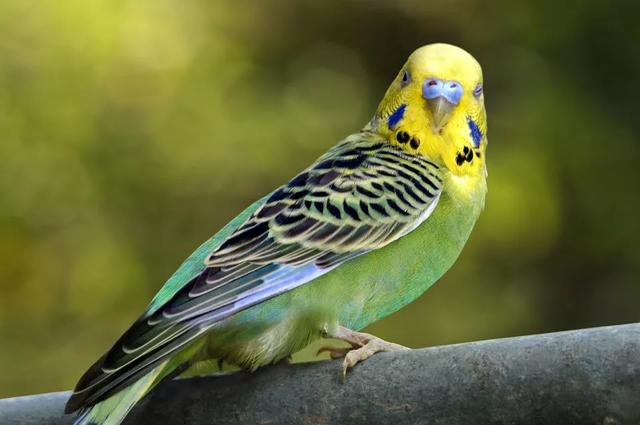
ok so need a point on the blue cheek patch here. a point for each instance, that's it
(397, 115)
(476, 134)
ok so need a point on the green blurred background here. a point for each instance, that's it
(130, 131)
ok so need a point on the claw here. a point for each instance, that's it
(363, 346)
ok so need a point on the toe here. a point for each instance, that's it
(334, 353)
(353, 357)
(350, 360)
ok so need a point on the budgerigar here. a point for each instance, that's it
(360, 233)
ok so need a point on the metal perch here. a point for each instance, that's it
(589, 376)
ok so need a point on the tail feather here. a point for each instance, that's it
(113, 410)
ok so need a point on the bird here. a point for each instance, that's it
(360, 233)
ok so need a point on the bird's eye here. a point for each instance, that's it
(477, 91)
(405, 78)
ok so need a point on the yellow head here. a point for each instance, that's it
(435, 106)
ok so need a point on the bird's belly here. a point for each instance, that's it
(270, 331)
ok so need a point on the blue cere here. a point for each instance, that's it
(451, 90)
(476, 134)
(397, 115)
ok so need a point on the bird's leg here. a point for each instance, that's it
(363, 346)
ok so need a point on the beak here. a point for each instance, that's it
(442, 97)
(440, 109)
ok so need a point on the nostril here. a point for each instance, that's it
(453, 85)
(432, 83)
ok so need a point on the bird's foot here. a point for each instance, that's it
(363, 346)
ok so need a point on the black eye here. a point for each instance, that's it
(405, 77)
(477, 91)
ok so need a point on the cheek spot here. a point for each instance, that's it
(397, 115)
(476, 134)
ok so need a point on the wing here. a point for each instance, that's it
(360, 196)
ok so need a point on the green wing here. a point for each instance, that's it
(360, 196)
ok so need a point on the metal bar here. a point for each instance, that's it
(589, 376)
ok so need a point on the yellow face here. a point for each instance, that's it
(435, 107)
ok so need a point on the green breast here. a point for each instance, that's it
(381, 282)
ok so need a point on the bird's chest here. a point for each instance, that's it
(384, 281)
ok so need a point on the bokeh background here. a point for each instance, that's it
(130, 131)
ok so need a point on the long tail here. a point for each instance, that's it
(113, 410)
